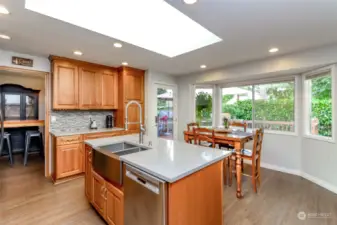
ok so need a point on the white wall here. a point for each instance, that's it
(39, 64)
(313, 159)
(152, 78)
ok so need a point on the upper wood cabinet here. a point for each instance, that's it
(131, 87)
(87, 88)
(109, 90)
(65, 85)
(81, 85)
(134, 85)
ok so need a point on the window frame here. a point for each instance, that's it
(205, 86)
(253, 83)
(306, 96)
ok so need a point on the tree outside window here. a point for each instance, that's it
(320, 104)
(203, 104)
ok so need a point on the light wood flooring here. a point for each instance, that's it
(26, 197)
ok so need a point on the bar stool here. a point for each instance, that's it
(29, 136)
(7, 137)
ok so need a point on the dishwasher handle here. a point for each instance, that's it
(143, 181)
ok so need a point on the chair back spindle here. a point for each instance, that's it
(239, 124)
(257, 145)
(190, 126)
(202, 135)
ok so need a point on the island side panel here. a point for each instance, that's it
(198, 198)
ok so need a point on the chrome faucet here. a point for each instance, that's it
(142, 128)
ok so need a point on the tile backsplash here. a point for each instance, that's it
(77, 119)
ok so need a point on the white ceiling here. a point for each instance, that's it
(248, 29)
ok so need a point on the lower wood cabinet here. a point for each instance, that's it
(114, 205)
(99, 194)
(88, 172)
(68, 159)
(107, 199)
(70, 156)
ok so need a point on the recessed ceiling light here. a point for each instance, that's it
(273, 50)
(3, 36)
(125, 63)
(78, 53)
(190, 2)
(141, 29)
(118, 45)
(203, 66)
(3, 10)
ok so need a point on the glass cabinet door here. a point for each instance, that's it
(12, 106)
(31, 104)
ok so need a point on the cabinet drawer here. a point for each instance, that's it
(102, 135)
(66, 140)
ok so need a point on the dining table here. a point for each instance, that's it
(232, 137)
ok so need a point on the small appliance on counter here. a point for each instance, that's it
(109, 122)
(93, 124)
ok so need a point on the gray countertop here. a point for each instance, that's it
(168, 160)
(71, 131)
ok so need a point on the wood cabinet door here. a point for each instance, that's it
(109, 90)
(114, 205)
(134, 87)
(65, 86)
(88, 173)
(98, 194)
(68, 159)
(87, 88)
(82, 158)
(133, 116)
(99, 90)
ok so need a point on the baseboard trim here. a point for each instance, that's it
(320, 182)
(281, 169)
(306, 176)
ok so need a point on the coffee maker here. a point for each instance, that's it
(109, 121)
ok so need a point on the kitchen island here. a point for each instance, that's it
(165, 182)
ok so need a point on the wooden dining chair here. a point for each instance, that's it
(201, 137)
(190, 127)
(252, 155)
(243, 125)
(235, 124)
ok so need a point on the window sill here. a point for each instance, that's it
(281, 133)
(319, 138)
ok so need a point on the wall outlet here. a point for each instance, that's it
(53, 119)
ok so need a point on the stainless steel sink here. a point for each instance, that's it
(117, 147)
(107, 163)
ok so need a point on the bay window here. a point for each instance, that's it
(274, 106)
(269, 105)
(318, 104)
(237, 103)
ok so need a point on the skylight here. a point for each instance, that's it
(151, 24)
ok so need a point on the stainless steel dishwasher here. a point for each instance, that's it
(144, 198)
